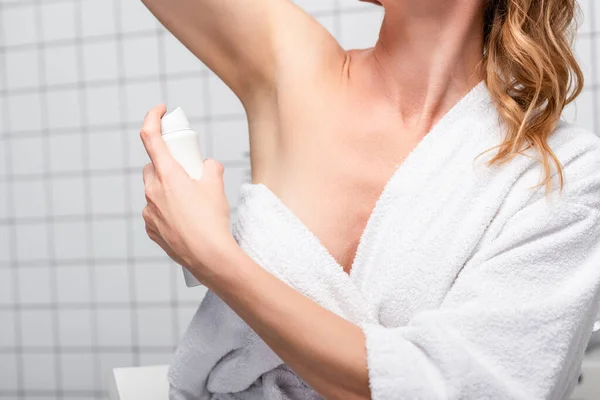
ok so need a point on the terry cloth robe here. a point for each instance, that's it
(467, 283)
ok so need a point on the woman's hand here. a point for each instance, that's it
(188, 219)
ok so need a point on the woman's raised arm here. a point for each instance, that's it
(247, 43)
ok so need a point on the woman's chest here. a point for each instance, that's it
(330, 170)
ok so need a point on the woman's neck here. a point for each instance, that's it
(424, 60)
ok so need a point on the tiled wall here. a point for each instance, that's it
(82, 289)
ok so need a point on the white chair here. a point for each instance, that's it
(139, 383)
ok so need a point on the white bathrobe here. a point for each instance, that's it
(467, 283)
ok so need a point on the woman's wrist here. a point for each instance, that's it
(218, 263)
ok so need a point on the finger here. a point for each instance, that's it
(147, 214)
(148, 174)
(212, 169)
(152, 138)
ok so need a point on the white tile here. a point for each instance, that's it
(230, 140)
(22, 68)
(75, 328)
(3, 116)
(185, 315)
(360, 30)
(316, 5)
(136, 17)
(108, 194)
(39, 371)
(9, 372)
(140, 98)
(114, 328)
(32, 242)
(109, 361)
(188, 94)
(6, 278)
(140, 56)
(137, 153)
(329, 23)
(155, 326)
(4, 201)
(585, 17)
(596, 17)
(73, 284)
(70, 241)
(142, 245)
(583, 53)
(27, 155)
(356, 5)
(37, 328)
(25, 112)
(66, 152)
(103, 105)
(112, 283)
(234, 177)
(64, 109)
(222, 100)
(179, 59)
(7, 333)
(68, 196)
(153, 282)
(3, 155)
(77, 372)
(29, 198)
(581, 112)
(163, 358)
(34, 285)
(19, 24)
(61, 64)
(185, 294)
(98, 17)
(58, 20)
(109, 239)
(5, 247)
(138, 196)
(105, 149)
(100, 61)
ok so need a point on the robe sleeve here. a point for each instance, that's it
(516, 321)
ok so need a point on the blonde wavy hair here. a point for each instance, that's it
(531, 73)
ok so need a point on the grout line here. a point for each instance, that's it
(92, 306)
(125, 124)
(135, 351)
(86, 350)
(75, 218)
(335, 11)
(79, 261)
(49, 223)
(594, 65)
(48, 394)
(101, 172)
(103, 83)
(88, 196)
(13, 238)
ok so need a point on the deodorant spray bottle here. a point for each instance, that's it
(184, 145)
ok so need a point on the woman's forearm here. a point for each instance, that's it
(324, 349)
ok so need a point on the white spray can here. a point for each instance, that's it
(184, 145)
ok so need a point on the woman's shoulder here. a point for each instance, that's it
(578, 150)
(571, 138)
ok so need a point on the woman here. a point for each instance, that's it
(393, 243)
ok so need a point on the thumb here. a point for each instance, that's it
(212, 169)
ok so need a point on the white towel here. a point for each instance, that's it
(467, 283)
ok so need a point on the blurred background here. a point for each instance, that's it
(82, 289)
